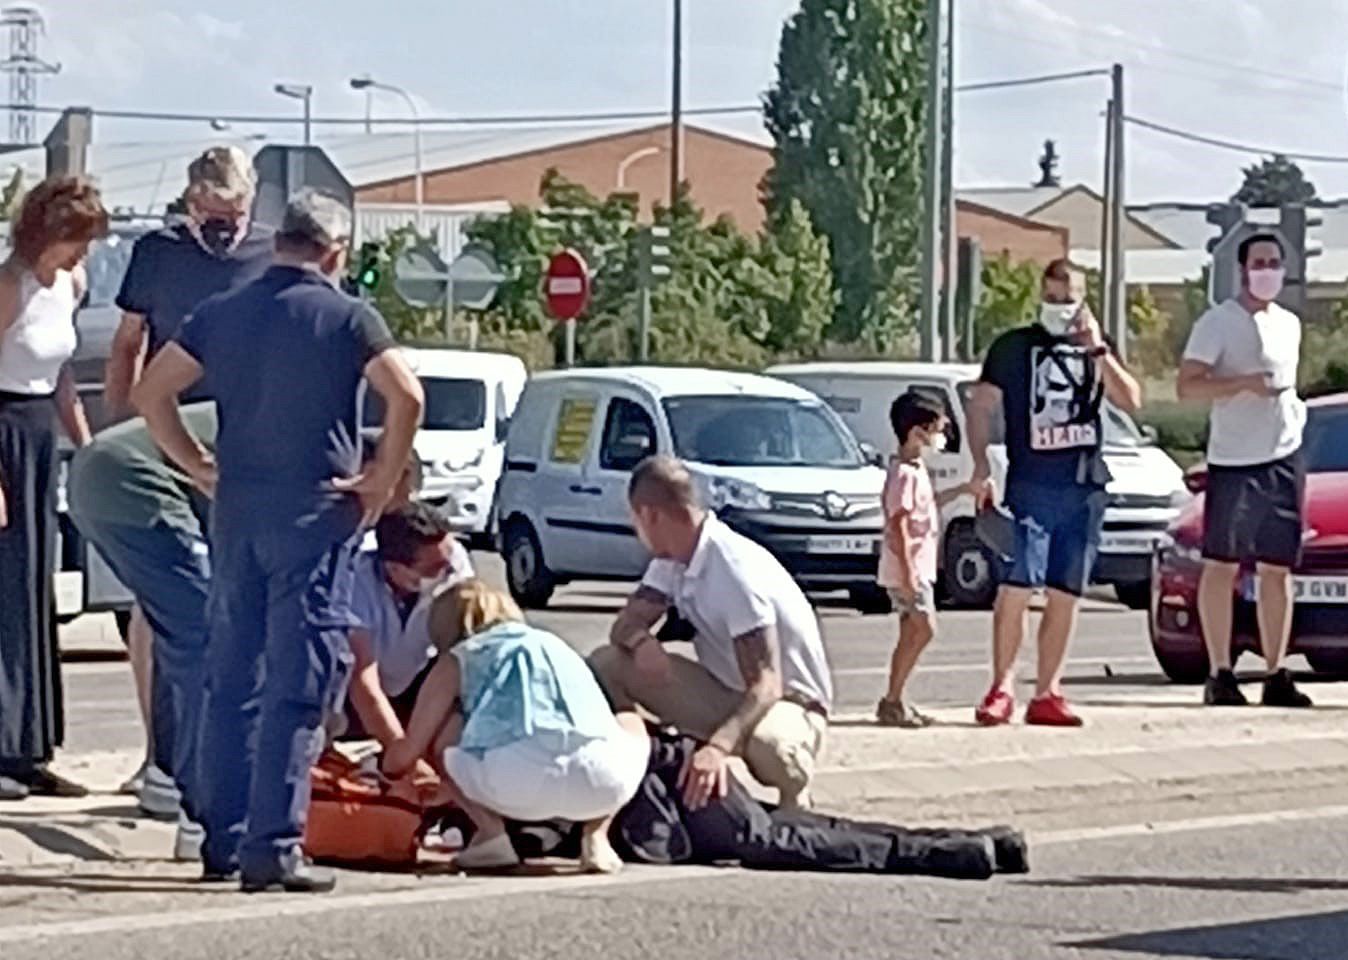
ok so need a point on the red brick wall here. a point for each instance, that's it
(724, 173)
(1019, 239)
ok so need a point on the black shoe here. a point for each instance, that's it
(1013, 853)
(43, 783)
(1280, 691)
(1223, 690)
(971, 857)
(219, 874)
(298, 876)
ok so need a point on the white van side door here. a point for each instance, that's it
(629, 433)
(566, 502)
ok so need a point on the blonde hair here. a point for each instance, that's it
(466, 609)
(224, 173)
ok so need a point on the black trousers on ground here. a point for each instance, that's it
(31, 712)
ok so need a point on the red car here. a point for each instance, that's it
(1320, 622)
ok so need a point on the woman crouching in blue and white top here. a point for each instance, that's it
(518, 725)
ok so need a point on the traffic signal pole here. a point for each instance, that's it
(1118, 301)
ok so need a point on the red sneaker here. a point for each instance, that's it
(1051, 711)
(996, 708)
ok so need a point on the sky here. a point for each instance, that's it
(1269, 73)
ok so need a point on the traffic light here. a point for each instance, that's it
(655, 254)
(1224, 277)
(367, 267)
(1295, 223)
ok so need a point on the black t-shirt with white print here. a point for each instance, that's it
(1051, 396)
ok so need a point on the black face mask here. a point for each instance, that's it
(218, 235)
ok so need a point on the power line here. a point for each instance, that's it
(1032, 81)
(1231, 144)
(508, 120)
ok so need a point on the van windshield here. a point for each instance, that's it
(451, 404)
(740, 431)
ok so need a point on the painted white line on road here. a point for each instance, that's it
(983, 667)
(273, 906)
(1195, 824)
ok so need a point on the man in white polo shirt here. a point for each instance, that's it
(1242, 358)
(760, 686)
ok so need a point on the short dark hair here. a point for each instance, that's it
(913, 409)
(662, 481)
(404, 531)
(1062, 270)
(1243, 251)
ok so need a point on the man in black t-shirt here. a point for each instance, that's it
(1049, 379)
(172, 270)
(283, 357)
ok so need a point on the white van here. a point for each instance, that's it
(774, 461)
(1145, 495)
(470, 398)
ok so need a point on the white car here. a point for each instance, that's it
(774, 461)
(1145, 496)
(470, 398)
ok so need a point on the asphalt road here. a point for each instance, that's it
(1271, 893)
(102, 713)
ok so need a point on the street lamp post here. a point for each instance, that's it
(304, 92)
(368, 83)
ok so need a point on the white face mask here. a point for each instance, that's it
(1266, 284)
(1057, 318)
(938, 442)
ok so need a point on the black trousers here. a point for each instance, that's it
(31, 720)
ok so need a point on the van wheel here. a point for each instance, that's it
(871, 600)
(1189, 668)
(1135, 595)
(530, 581)
(972, 571)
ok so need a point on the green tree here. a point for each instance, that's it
(1274, 181)
(847, 116)
(731, 299)
(1150, 347)
(1010, 299)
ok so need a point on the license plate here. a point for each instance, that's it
(840, 544)
(1128, 543)
(69, 593)
(1325, 590)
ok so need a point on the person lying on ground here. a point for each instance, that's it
(531, 737)
(417, 555)
(657, 826)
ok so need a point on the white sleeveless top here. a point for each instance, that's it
(41, 338)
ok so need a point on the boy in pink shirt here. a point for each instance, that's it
(912, 537)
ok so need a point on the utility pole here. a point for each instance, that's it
(948, 226)
(676, 109)
(1107, 220)
(1118, 303)
(931, 225)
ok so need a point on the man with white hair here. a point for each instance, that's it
(213, 249)
(282, 356)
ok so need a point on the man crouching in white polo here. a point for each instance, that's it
(760, 686)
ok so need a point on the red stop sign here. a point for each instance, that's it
(566, 288)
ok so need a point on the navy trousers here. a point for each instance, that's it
(279, 614)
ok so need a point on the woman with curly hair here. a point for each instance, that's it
(41, 285)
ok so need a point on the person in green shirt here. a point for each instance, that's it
(149, 522)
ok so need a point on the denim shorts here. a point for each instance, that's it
(1057, 535)
(924, 602)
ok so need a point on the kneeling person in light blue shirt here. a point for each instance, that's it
(532, 738)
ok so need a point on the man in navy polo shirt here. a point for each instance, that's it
(216, 248)
(283, 357)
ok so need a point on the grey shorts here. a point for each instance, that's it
(924, 602)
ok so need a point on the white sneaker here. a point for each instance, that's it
(158, 795)
(187, 845)
(12, 789)
(136, 782)
(497, 853)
